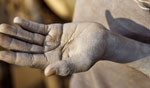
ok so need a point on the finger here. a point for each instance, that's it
(14, 44)
(53, 39)
(67, 67)
(24, 59)
(21, 34)
(31, 26)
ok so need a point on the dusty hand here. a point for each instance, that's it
(60, 49)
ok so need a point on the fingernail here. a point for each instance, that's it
(17, 20)
(50, 72)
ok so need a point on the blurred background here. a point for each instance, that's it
(42, 11)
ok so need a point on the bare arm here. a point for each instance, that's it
(64, 49)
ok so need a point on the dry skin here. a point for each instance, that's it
(64, 49)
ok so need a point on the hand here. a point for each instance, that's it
(60, 49)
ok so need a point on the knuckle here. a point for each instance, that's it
(38, 38)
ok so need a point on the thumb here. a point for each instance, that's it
(62, 68)
(68, 67)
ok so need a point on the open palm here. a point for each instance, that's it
(60, 49)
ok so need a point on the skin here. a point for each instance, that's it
(128, 20)
(143, 4)
(64, 49)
